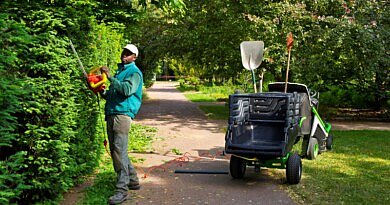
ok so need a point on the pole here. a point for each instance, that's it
(288, 67)
(254, 81)
(253, 74)
(290, 41)
(261, 81)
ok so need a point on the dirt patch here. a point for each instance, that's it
(76, 194)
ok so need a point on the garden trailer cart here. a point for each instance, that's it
(263, 127)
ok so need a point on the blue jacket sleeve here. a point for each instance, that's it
(128, 86)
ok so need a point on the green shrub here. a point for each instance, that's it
(347, 98)
(50, 132)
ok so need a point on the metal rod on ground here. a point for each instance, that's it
(199, 172)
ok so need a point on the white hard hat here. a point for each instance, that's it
(132, 48)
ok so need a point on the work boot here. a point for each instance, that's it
(117, 198)
(134, 186)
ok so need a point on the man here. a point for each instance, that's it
(123, 100)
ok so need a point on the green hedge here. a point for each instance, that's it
(49, 126)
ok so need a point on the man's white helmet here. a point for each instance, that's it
(132, 48)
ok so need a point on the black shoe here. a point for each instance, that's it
(117, 198)
(134, 186)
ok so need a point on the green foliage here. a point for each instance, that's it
(50, 130)
(346, 98)
(336, 43)
(210, 93)
(50, 133)
(141, 138)
(190, 83)
(176, 151)
(15, 40)
(12, 180)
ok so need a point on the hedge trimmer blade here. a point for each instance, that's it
(80, 63)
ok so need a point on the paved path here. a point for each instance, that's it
(360, 125)
(182, 126)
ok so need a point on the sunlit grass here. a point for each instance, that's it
(215, 112)
(357, 171)
(210, 94)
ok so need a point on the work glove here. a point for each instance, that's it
(106, 70)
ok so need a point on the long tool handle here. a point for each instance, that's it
(290, 41)
(288, 67)
(254, 80)
(81, 64)
(253, 74)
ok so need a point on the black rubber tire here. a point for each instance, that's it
(237, 167)
(313, 149)
(294, 169)
(329, 142)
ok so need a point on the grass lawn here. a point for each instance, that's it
(205, 97)
(215, 112)
(104, 181)
(357, 171)
(209, 94)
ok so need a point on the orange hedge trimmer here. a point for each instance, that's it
(96, 82)
(95, 78)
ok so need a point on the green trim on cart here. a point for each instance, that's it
(326, 126)
(301, 121)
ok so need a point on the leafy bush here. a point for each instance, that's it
(190, 83)
(12, 89)
(346, 98)
(50, 133)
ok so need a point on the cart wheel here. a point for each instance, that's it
(313, 149)
(237, 167)
(294, 169)
(329, 142)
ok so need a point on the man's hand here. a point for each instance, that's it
(105, 70)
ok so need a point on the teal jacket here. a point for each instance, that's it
(124, 96)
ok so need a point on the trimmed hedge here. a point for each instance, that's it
(50, 128)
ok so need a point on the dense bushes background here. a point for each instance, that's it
(50, 133)
(339, 46)
(49, 121)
